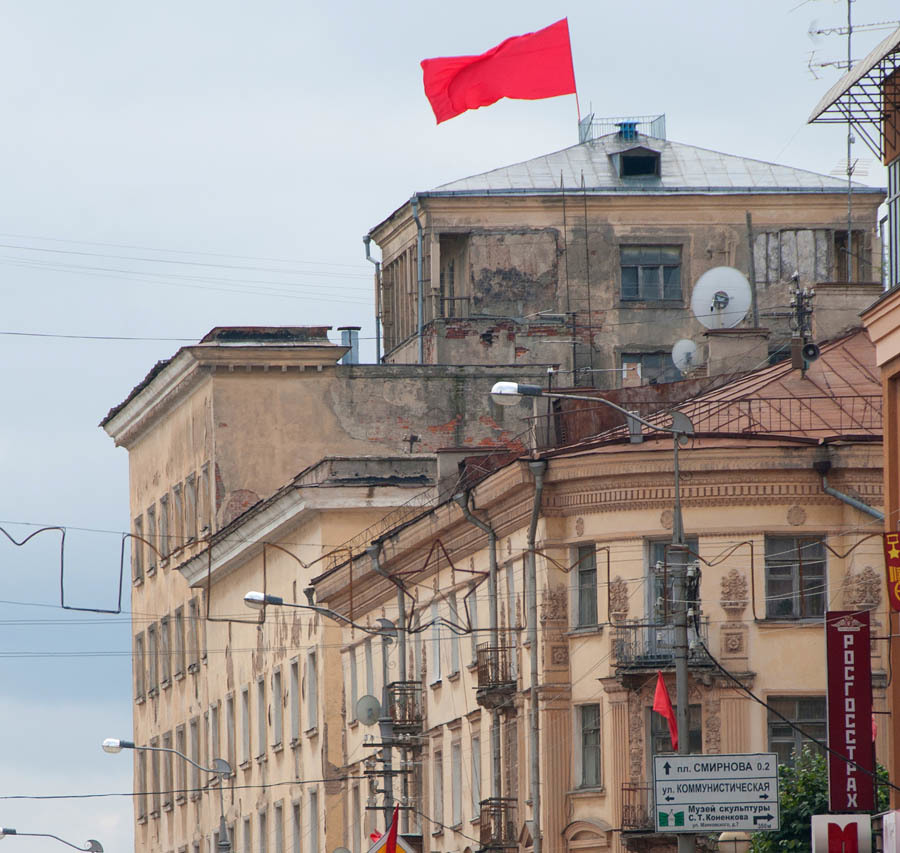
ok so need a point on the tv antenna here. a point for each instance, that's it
(721, 298)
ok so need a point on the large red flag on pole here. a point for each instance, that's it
(529, 67)
(662, 704)
(391, 846)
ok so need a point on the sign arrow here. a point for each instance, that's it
(764, 796)
(765, 817)
(669, 798)
(667, 767)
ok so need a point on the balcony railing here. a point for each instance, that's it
(495, 677)
(405, 705)
(637, 808)
(497, 827)
(643, 645)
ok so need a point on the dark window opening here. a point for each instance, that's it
(640, 165)
(651, 273)
(648, 368)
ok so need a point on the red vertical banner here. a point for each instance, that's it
(892, 567)
(851, 780)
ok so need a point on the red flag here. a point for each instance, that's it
(529, 67)
(391, 846)
(662, 704)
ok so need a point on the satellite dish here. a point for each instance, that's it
(721, 298)
(814, 32)
(368, 710)
(684, 354)
(341, 850)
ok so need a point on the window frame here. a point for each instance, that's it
(796, 739)
(640, 265)
(277, 709)
(312, 691)
(595, 778)
(802, 587)
(585, 551)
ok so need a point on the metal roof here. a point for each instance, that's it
(859, 94)
(683, 169)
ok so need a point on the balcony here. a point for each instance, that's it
(497, 829)
(637, 808)
(641, 646)
(495, 679)
(405, 706)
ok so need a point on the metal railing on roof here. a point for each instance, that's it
(593, 127)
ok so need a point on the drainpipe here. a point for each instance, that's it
(420, 284)
(537, 471)
(823, 466)
(496, 766)
(374, 552)
(366, 240)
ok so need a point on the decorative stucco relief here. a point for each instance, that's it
(618, 599)
(862, 588)
(554, 604)
(734, 593)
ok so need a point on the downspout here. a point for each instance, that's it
(537, 471)
(374, 552)
(366, 240)
(823, 466)
(420, 284)
(496, 767)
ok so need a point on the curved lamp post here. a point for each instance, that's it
(220, 768)
(91, 845)
(258, 600)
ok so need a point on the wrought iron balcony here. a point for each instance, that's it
(637, 808)
(495, 678)
(497, 827)
(648, 645)
(405, 705)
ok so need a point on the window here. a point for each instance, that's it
(312, 691)
(473, 622)
(476, 775)
(181, 766)
(370, 668)
(456, 783)
(195, 757)
(648, 368)
(857, 256)
(194, 635)
(313, 822)
(203, 502)
(808, 712)
(179, 641)
(277, 707)
(165, 658)
(154, 778)
(248, 846)
(437, 764)
(435, 657)
(659, 732)
(168, 782)
(261, 716)
(190, 508)
(214, 744)
(295, 700)
(151, 539)
(139, 666)
(795, 578)
(263, 840)
(589, 725)
(141, 769)
(651, 272)
(165, 544)
(586, 589)
(454, 302)
(152, 680)
(229, 729)
(137, 550)
(298, 829)
(354, 684)
(893, 237)
(639, 163)
(454, 637)
(278, 829)
(245, 725)
(178, 498)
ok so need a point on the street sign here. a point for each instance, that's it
(716, 793)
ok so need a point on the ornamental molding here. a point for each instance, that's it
(862, 589)
(735, 593)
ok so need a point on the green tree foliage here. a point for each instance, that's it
(803, 792)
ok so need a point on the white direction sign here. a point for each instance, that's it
(716, 793)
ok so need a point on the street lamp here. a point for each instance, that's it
(91, 845)
(508, 394)
(220, 768)
(257, 600)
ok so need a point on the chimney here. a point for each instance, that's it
(736, 350)
(350, 338)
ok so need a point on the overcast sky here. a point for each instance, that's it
(169, 167)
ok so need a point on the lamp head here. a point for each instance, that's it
(113, 745)
(94, 846)
(257, 600)
(4, 831)
(509, 393)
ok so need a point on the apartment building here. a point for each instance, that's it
(587, 257)
(780, 487)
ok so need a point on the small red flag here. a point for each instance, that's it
(662, 704)
(391, 846)
(892, 565)
(528, 67)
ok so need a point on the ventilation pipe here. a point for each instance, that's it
(350, 338)
(463, 500)
(823, 466)
(537, 471)
(366, 240)
(420, 284)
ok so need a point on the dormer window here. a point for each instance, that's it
(638, 162)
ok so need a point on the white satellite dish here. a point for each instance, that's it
(684, 354)
(368, 710)
(721, 298)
